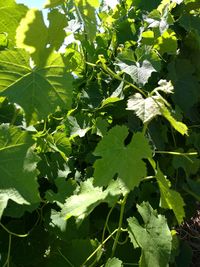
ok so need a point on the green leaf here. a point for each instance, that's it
(18, 168)
(86, 11)
(39, 91)
(32, 35)
(124, 161)
(62, 144)
(154, 237)
(3, 40)
(80, 205)
(64, 190)
(57, 24)
(177, 125)
(53, 3)
(11, 14)
(114, 262)
(140, 72)
(167, 43)
(170, 199)
(146, 109)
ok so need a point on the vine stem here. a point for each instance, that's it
(12, 233)
(177, 153)
(123, 203)
(7, 262)
(106, 224)
(99, 247)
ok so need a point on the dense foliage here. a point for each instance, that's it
(99, 132)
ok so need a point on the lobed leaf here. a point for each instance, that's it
(124, 161)
(39, 91)
(154, 237)
(18, 168)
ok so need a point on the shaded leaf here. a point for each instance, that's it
(53, 3)
(114, 262)
(17, 167)
(32, 35)
(124, 161)
(88, 197)
(170, 199)
(140, 72)
(154, 237)
(38, 91)
(56, 29)
(11, 14)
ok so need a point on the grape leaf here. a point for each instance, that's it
(53, 3)
(88, 17)
(64, 188)
(11, 14)
(114, 262)
(154, 237)
(170, 199)
(57, 24)
(146, 109)
(88, 197)
(17, 167)
(126, 162)
(167, 43)
(140, 72)
(39, 91)
(32, 35)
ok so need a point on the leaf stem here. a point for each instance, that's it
(177, 153)
(12, 233)
(7, 262)
(99, 247)
(106, 224)
(63, 256)
(123, 203)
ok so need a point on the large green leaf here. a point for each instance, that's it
(53, 3)
(121, 160)
(39, 91)
(154, 237)
(57, 24)
(80, 205)
(17, 167)
(11, 14)
(170, 199)
(32, 35)
(87, 16)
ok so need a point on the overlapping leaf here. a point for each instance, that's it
(148, 108)
(11, 14)
(170, 199)
(80, 205)
(39, 40)
(17, 167)
(154, 237)
(117, 159)
(39, 91)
